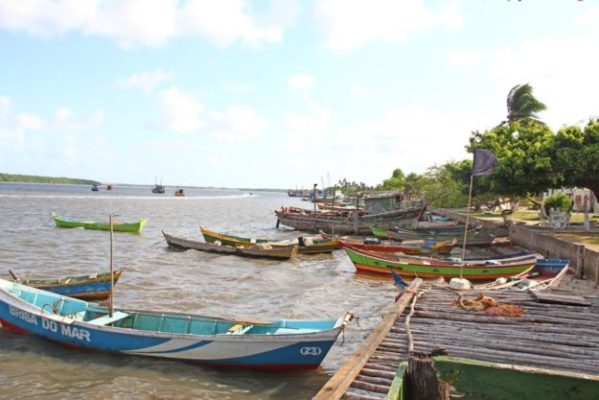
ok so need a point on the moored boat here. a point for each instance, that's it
(473, 238)
(65, 222)
(264, 344)
(476, 379)
(386, 210)
(387, 246)
(92, 286)
(431, 268)
(261, 250)
(306, 245)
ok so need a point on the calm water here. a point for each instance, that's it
(156, 278)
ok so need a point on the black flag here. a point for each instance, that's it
(484, 162)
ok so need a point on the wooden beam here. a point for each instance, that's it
(336, 387)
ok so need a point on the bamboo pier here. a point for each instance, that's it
(557, 331)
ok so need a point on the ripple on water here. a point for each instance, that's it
(157, 278)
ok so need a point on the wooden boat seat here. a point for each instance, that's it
(239, 329)
(107, 319)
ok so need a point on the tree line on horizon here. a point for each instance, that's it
(44, 179)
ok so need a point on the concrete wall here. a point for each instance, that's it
(583, 261)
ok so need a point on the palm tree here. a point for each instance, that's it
(521, 104)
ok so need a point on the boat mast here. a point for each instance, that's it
(110, 301)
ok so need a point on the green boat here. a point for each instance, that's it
(472, 379)
(307, 245)
(64, 222)
(411, 267)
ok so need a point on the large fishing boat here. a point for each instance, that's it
(385, 210)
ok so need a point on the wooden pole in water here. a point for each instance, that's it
(466, 227)
(110, 301)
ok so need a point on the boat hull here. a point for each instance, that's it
(264, 351)
(89, 287)
(244, 250)
(410, 268)
(305, 245)
(134, 227)
(347, 223)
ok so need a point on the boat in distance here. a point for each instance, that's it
(262, 344)
(66, 222)
(244, 250)
(90, 287)
(306, 245)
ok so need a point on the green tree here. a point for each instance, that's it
(524, 151)
(576, 156)
(396, 182)
(521, 104)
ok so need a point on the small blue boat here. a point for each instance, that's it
(272, 345)
(550, 266)
(90, 287)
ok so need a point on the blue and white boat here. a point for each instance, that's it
(273, 345)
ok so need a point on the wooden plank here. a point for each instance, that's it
(544, 297)
(336, 387)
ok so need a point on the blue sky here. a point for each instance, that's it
(277, 94)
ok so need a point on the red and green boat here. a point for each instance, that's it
(430, 268)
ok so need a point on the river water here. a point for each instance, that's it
(157, 278)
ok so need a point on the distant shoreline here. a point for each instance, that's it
(14, 178)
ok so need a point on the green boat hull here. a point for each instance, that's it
(413, 268)
(134, 227)
(483, 380)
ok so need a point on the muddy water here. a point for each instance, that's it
(157, 278)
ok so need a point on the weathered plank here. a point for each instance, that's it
(341, 381)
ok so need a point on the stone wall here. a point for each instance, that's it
(583, 261)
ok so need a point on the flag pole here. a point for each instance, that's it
(110, 303)
(466, 227)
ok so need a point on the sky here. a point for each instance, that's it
(278, 93)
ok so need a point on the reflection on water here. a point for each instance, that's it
(157, 278)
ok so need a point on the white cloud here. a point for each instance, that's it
(349, 24)
(147, 81)
(29, 121)
(558, 71)
(181, 110)
(236, 125)
(307, 130)
(361, 92)
(301, 83)
(139, 22)
(226, 22)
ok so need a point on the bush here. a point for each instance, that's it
(559, 201)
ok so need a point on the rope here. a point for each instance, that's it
(408, 319)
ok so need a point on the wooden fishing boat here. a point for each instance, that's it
(260, 250)
(347, 221)
(306, 245)
(269, 344)
(64, 222)
(387, 246)
(547, 273)
(179, 193)
(475, 238)
(431, 268)
(94, 286)
(474, 379)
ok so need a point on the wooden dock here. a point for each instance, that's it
(557, 331)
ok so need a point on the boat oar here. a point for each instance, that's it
(14, 275)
